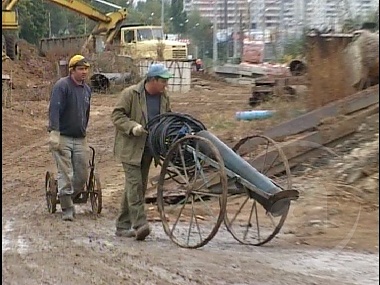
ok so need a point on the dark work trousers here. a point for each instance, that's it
(133, 204)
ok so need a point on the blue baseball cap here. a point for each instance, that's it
(159, 70)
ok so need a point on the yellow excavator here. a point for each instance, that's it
(135, 41)
(9, 29)
(107, 24)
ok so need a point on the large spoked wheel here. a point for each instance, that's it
(192, 192)
(51, 191)
(246, 219)
(95, 192)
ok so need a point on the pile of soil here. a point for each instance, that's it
(30, 70)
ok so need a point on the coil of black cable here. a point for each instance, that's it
(166, 129)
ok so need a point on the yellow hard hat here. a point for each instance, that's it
(78, 60)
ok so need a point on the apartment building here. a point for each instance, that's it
(281, 15)
(227, 11)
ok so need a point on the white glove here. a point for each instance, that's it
(54, 140)
(138, 130)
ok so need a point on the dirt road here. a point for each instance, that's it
(37, 248)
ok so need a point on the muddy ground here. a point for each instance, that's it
(329, 237)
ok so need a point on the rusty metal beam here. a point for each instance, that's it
(310, 120)
(302, 146)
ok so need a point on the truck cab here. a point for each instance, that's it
(149, 42)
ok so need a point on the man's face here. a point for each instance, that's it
(161, 84)
(80, 73)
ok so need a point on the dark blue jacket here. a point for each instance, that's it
(69, 108)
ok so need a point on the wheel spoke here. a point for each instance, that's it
(191, 220)
(179, 215)
(257, 222)
(183, 162)
(206, 205)
(205, 182)
(249, 224)
(267, 225)
(239, 210)
(175, 169)
(270, 166)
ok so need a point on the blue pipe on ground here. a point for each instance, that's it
(254, 115)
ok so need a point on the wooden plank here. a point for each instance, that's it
(315, 140)
(312, 119)
(262, 89)
(5, 77)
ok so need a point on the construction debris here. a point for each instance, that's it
(319, 128)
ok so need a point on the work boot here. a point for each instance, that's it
(142, 232)
(125, 233)
(68, 210)
(68, 214)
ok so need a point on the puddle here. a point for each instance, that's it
(348, 267)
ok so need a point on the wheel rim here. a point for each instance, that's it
(194, 218)
(96, 196)
(47, 192)
(247, 220)
(51, 192)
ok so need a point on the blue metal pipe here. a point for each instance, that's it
(239, 166)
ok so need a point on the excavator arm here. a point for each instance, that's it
(8, 4)
(9, 29)
(9, 16)
(106, 23)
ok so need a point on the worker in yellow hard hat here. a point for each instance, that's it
(69, 112)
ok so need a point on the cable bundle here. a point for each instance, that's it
(166, 129)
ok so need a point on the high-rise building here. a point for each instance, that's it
(290, 16)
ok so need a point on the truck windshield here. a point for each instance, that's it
(149, 34)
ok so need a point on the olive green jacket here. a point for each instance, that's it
(129, 111)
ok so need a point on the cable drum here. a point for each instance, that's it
(166, 129)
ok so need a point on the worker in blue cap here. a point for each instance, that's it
(137, 105)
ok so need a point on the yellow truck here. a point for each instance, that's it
(131, 40)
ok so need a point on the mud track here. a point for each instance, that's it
(37, 248)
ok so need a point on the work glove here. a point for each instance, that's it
(54, 140)
(138, 130)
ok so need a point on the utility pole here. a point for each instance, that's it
(249, 19)
(281, 28)
(215, 30)
(162, 14)
(226, 26)
(49, 25)
(235, 31)
(241, 35)
(304, 14)
(264, 27)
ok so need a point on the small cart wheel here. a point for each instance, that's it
(95, 192)
(51, 191)
(247, 221)
(192, 191)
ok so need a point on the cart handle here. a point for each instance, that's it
(92, 161)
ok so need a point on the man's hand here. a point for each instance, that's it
(138, 130)
(54, 140)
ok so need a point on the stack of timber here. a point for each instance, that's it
(308, 135)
